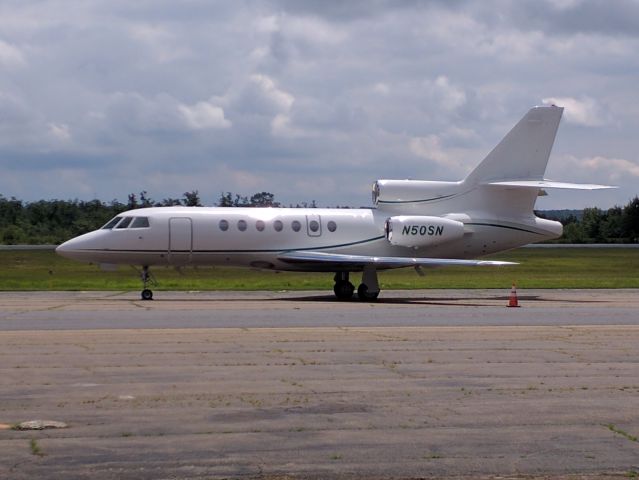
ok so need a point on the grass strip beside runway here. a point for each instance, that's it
(539, 268)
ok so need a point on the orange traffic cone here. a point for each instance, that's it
(512, 300)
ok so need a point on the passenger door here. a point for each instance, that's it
(180, 240)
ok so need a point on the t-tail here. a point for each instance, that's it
(511, 177)
(501, 190)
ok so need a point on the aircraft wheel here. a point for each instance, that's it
(344, 290)
(364, 295)
(147, 294)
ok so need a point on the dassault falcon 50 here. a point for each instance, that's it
(413, 223)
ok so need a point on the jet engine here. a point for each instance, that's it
(391, 193)
(422, 231)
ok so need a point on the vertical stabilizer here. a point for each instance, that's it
(523, 153)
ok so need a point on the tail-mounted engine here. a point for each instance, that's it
(397, 194)
(422, 231)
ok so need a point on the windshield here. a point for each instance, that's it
(140, 222)
(112, 223)
(124, 223)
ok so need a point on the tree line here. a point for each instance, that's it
(594, 225)
(54, 221)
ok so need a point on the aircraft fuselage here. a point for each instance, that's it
(255, 237)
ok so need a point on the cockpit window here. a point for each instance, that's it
(124, 223)
(140, 222)
(112, 223)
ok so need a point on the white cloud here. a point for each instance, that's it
(267, 24)
(613, 169)
(281, 99)
(11, 56)
(452, 97)
(430, 148)
(584, 112)
(60, 131)
(313, 30)
(564, 4)
(161, 42)
(204, 115)
(281, 126)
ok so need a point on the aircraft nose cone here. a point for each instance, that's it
(64, 249)
(85, 248)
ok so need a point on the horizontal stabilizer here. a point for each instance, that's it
(341, 260)
(547, 184)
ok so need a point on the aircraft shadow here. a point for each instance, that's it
(469, 301)
(446, 301)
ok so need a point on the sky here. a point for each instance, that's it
(309, 100)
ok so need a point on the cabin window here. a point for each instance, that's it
(124, 223)
(260, 225)
(278, 225)
(241, 225)
(332, 226)
(296, 226)
(313, 225)
(224, 225)
(140, 222)
(112, 223)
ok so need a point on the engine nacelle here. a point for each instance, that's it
(422, 231)
(390, 193)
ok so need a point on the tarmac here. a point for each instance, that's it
(422, 384)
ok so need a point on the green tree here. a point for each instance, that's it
(591, 221)
(263, 199)
(145, 201)
(169, 202)
(630, 221)
(612, 227)
(226, 200)
(241, 201)
(192, 199)
(573, 233)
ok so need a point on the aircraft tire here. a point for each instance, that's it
(364, 295)
(147, 294)
(344, 290)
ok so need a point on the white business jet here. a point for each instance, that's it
(413, 223)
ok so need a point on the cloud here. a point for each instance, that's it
(11, 56)
(430, 148)
(584, 112)
(204, 115)
(60, 131)
(170, 97)
(613, 169)
(280, 99)
(448, 96)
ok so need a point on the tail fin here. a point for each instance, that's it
(523, 153)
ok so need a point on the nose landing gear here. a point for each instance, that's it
(147, 277)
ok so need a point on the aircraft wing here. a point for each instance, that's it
(342, 260)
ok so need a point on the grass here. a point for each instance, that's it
(35, 448)
(618, 431)
(539, 268)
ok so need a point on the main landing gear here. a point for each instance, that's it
(147, 294)
(343, 288)
(368, 290)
